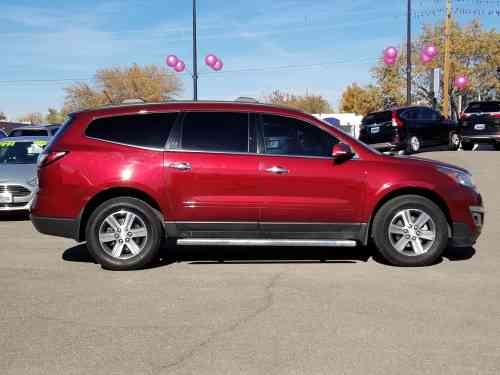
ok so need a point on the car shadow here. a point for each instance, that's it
(206, 255)
(14, 216)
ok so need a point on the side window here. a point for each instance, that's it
(148, 130)
(428, 114)
(216, 131)
(288, 136)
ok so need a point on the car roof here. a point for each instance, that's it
(190, 104)
(34, 127)
(25, 139)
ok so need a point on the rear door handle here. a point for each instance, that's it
(277, 170)
(182, 166)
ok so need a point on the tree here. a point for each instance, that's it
(150, 83)
(309, 103)
(55, 117)
(3, 117)
(32, 118)
(361, 100)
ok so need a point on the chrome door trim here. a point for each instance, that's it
(263, 242)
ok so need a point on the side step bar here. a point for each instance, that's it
(264, 242)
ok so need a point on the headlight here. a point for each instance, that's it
(33, 182)
(462, 178)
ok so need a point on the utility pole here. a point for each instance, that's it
(446, 78)
(408, 54)
(195, 56)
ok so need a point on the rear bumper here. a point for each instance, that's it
(481, 138)
(67, 228)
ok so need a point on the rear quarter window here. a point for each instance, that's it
(147, 130)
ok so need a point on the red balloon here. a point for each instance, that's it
(218, 65)
(172, 61)
(180, 66)
(210, 60)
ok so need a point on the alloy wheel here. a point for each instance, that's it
(412, 232)
(415, 144)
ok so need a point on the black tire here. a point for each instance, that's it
(411, 145)
(467, 146)
(146, 217)
(454, 141)
(390, 210)
(496, 145)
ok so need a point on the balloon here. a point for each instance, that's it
(180, 66)
(425, 58)
(430, 50)
(389, 61)
(210, 60)
(172, 61)
(218, 65)
(391, 52)
(461, 82)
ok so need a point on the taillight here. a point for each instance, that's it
(497, 115)
(46, 158)
(396, 121)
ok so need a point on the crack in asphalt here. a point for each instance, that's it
(268, 302)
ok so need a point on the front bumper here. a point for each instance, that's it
(59, 227)
(462, 235)
(21, 197)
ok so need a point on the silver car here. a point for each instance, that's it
(18, 171)
(35, 131)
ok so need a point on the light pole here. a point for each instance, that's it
(408, 54)
(195, 56)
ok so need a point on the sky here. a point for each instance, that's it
(301, 46)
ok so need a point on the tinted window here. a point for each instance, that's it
(377, 117)
(2, 134)
(287, 136)
(150, 130)
(20, 152)
(428, 114)
(29, 133)
(216, 131)
(483, 107)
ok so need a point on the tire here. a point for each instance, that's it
(140, 239)
(496, 145)
(467, 146)
(454, 141)
(392, 215)
(414, 145)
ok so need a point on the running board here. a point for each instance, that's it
(264, 242)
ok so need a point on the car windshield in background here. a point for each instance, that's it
(29, 133)
(483, 107)
(377, 118)
(20, 152)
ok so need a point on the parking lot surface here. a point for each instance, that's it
(260, 311)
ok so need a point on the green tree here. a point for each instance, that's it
(55, 117)
(310, 103)
(361, 100)
(32, 118)
(150, 83)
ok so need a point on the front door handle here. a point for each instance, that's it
(182, 166)
(277, 170)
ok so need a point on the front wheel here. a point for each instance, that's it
(410, 231)
(454, 142)
(124, 233)
(414, 145)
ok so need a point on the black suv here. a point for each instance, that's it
(480, 123)
(408, 129)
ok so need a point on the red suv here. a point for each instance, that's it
(125, 178)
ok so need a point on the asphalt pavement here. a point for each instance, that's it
(253, 311)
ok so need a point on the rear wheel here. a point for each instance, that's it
(414, 145)
(410, 231)
(124, 233)
(454, 142)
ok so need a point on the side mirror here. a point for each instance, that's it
(341, 152)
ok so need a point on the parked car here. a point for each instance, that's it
(480, 123)
(35, 131)
(124, 178)
(408, 129)
(18, 171)
(2, 134)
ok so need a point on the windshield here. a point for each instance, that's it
(20, 152)
(28, 133)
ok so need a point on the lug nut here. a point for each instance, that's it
(121, 241)
(407, 236)
(117, 236)
(129, 234)
(405, 231)
(414, 238)
(127, 239)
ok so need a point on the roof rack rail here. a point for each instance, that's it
(132, 101)
(246, 99)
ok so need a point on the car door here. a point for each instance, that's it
(210, 171)
(431, 128)
(303, 193)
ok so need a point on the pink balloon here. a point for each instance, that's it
(180, 66)
(389, 61)
(210, 60)
(172, 61)
(218, 65)
(461, 82)
(391, 52)
(425, 58)
(430, 50)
